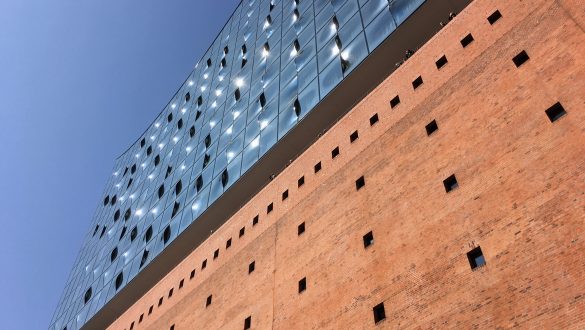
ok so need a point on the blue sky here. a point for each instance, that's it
(80, 80)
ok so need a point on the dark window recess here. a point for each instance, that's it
(494, 17)
(187, 97)
(160, 301)
(123, 232)
(379, 312)
(417, 82)
(125, 171)
(170, 293)
(269, 208)
(244, 49)
(140, 318)
(127, 214)
(192, 274)
(150, 309)
(97, 227)
(335, 152)
(161, 191)
(317, 167)
(117, 215)
(468, 39)
(192, 131)
(178, 187)
(176, 208)
(225, 50)
(301, 181)
(106, 200)
(476, 258)
(87, 295)
(374, 119)
(132, 325)
(255, 220)
(237, 94)
(354, 136)
(228, 243)
(216, 254)
(441, 62)
(130, 183)
(223, 63)
(297, 107)
(303, 284)
(208, 301)
(208, 62)
(199, 183)
(119, 280)
(206, 160)
(149, 151)
(142, 142)
(133, 234)
(555, 112)
(394, 102)
(360, 183)
(148, 234)
(262, 100)
(207, 141)
(114, 254)
(450, 183)
(103, 231)
(368, 239)
(520, 59)
(169, 171)
(431, 127)
(166, 234)
(114, 199)
(144, 258)
(285, 194)
(204, 264)
(180, 123)
(224, 178)
(248, 320)
(199, 103)
(172, 327)
(242, 231)
(156, 160)
(301, 229)
(181, 284)
(170, 117)
(251, 267)
(244, 61)
(133, 169)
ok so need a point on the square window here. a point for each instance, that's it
(354, 136)
(417, 82)
(520, 59)
(441, 62)
(228, 243)
(394, 102)
(208, 301)
(431, 127)
(368, 239)
(255, 220)
(317, 167)
(494, 17)
(476, 258)
(301, 181)
(192, 274)
(467, 40)
(181, 283)
(450, 183)
(270, 207)
(242, 231)
(555, 112)
(216, 254)
(301, 229)
(379, 312)
(285, 194)
(204, 264)
(359, 183)
(251, 267)
(374, 119)
(248, 323)
(171, 292)
(335, 152)
(303, 284)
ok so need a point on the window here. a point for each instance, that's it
(494, 17)
(192, 131)
(248, 323)
(119, 280)
(204, 264)
(262, 100)
(216, 254)
(144, 258)
(103, 231)
(242, 231)
(359, 183)
(178, 188)
(224, 178)
(476, 258)
(269, 208)
(106, 200)
(142, 142)
(468, 39)
(228, 243)
(255, 220)
(133, 169)
(431, 127)
(170, 292)
(450, 183)
(181, 284)
(199, 183)
(123, 232)
(114, 254)
(160, 301)
(172, 327)
(87, 295)
(187, 97)
(161, 191)
(147, 234)
(285, 194)
(127, 214)
(317, 167)
(208, 62)
(394, 102)
(297, 107)
(150, 309)
(176, 208)
(131, 325)
(117, 215)
(368, 239)
(199, 103)
(303, 284)
(169, 171)
(156, 160)
(192, 274)
(374, 119)
(354, 136)
(149, 150)
(140, 318)
(113, 201)
(237, 94)
(379, 312)
(441, 62)
(208, 301)
(251, 267)
(180, 123)
(133, 234)
(301, 181)
(97, 227)
(417, 82)
(170, 117)
(167, 234)
(555, 112)
(335, 152)
(520, 59)
(301, 229)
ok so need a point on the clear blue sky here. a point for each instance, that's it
(80, 80)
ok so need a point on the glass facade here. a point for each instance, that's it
(271, 64)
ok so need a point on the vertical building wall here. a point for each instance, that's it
(520, 197)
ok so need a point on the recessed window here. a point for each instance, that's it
(176, 208)
(144, 258)
(269, 208)
(317, 167)
(223, 63)
(142, 142)
(117, 215)
(178, 187)
(187, 97)
(228, 243)
(354, 136)
(125, 171)
(520, 59)
(255, 220)
(297, 107)
(494, 17)
(192, 274)
(161, 191)
(180, 123)
(114, 254)
(169, 171)
(140, 318)
(248, 323)
(133, 169)
(285, 194)
(417, 82)
(160, 301)
(204, 264)
(368, 239)
(208, 62)
(150, 309)
(374, 119)
(206, 160)
(114, 199)
(149, 150)
(216, 254)
(106, 200)
(170, 117)
(303, 284)
(468, 39)
(555, 112)
(251, 267)
(199, 103)
(130, 183)
(476, 258)
(394, 102)
(301, 181)
(97, 227)
(441, 62)
(181, 284)
(192, 131)
(335, 152)
(87, 295)
(199, 183)
(172, 327)
(208, 301)
(301, 228)
(119, 280)
(133, 234)
(123, 232)
(131, 325)
(450, 183)
(242, 231)
(156, 160)
(224, 178)
(244, 61)
(431, 127)
(170, 293)
(147, 234)
(237, 94)
(360, 183)
(379, 312)
(103, 231)
(167, 234)
(262, 100)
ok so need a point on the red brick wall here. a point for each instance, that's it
(521, 197)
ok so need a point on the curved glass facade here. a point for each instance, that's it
(271, 65)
